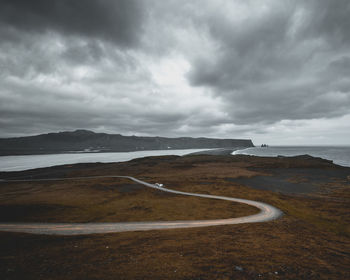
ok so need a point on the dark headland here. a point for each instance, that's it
(89, 141)
(311, 240)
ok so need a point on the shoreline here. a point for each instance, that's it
(339, 155)
(217, 152)
(26, 162)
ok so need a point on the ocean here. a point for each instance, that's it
(339, 155)
(18, 163)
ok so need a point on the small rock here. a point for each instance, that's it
(239, 268)
(276, 272)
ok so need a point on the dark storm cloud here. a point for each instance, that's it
(47, 37)
(340, 66)
(328, 19)
(174, 68)
(119, 21)
(275, 66)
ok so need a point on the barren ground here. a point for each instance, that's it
(312, 240)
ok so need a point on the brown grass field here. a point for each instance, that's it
(311, 241)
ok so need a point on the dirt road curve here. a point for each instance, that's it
(267, 213)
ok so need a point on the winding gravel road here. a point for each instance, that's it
(267, 213)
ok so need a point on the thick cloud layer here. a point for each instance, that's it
(119, 21)
(275, 71)
(282, 62)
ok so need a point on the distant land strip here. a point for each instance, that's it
(91, 142)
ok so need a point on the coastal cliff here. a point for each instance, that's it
(89, 141)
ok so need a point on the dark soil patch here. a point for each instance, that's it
(294, 180)
(206, 183)
(315, 175)
(276, 184)
(20, 213)
(128, 188)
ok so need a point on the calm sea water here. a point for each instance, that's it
(339, 155)
(17, 163)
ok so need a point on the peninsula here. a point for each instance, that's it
(89, 141)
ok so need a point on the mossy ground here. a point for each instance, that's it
(311, 241)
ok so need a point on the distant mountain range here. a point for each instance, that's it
(89, 141)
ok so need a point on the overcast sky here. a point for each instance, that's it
(274, 71)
